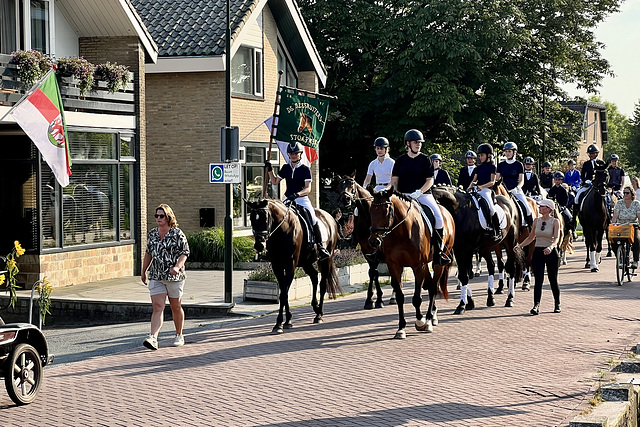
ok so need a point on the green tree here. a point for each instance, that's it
(633, 142)
(462, 72)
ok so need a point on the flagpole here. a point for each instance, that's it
(272, 136)
(29, 92)
(306, 92)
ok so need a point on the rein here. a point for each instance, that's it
(389, 231)
(352, 196)
(284, 218)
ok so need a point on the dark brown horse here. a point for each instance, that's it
(277, 227)
(593, 216)
(397, 227)
(351, 193)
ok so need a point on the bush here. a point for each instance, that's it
(264, 273)
(208, 246)
(347, 257)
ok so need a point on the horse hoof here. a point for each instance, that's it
(499, 290)
(400, 335)
(434, 321)
(587, 265)
(460, 309)
(277, 330)
(392, 301)
(526, 280)
(470, 304)
(368, 305)
(595, 270)
(379, 304)
(318, 319)
(509, 302)
(421, 325)
(490, 300)
(564, 262)
(288, 326)
(429, 327)
(477, 275)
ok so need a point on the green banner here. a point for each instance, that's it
(301, 119)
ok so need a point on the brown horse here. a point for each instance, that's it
(353, 193)
(277, 227)
(397, 227)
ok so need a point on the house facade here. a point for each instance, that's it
(94, 228)
(594, 127)
(186, 101)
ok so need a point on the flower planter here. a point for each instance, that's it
(269, 291)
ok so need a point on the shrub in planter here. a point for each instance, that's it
(79, 68)
(208, 246)
(347, 257)
(116, 76)
(32, 65)
(264, 273)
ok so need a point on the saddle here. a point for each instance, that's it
(484, 213)
(521, 208)
(305, 219)
(428, 217)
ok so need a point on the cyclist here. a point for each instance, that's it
(627, 211)
(440, 176)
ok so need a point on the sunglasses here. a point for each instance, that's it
(544, 224)
(159, 215)
(626, 192)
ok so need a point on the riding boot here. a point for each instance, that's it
(529, 220)
(439, 257)
(322, 251)
(496, 227)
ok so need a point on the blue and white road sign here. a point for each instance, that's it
(224, 173)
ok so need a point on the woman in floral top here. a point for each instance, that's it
(167, 251)
(627, 211)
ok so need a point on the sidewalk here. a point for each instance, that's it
(127, 299)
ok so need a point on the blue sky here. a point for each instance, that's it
(620, 33)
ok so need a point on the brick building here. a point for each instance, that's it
(185, 98)
(91, 229)
(594, 127)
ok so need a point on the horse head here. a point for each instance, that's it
(347, 188)
(601, 177)
(261, 222)
(382, 216)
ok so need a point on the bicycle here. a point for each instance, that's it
(622, 237)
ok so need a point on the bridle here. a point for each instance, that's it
(388, 229)
(266, 234)
(352, 196)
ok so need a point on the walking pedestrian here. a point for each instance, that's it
(546, 233)
(167, 251)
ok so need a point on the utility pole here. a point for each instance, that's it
(228, 219)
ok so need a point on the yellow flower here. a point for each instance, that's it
(11, 264)
(1, 279)
(19, 250)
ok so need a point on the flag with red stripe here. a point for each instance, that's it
(41, 117)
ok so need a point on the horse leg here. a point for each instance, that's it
(500, 272)
(317, 306)
(379, 292)
(284, 282)
(368, 303)
(466, 302)
(396, 284)
(512, 291)
(478, 265)
(491, 267)
(423, 322)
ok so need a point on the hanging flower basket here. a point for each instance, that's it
(32, 66)
(116, 76)
(79, 68)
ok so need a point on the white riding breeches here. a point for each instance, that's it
(487, 193)
(521, 196)
(304, 201)
(378, 188)
(429, 200)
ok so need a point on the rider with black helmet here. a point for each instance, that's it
(484, 180)
(589, 167)
(572, 176)
(440, 176)
(297, 177)
(465, 176)
(512, 173)
(558, 193)
(546, 177)
(616, 175)
(381, 167)
(530, 187)
(413, 175)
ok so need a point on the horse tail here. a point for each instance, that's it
(333, 283)
(519, 259)
(443, 283)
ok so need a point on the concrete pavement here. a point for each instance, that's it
(489, 367)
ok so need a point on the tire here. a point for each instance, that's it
(630, 272)
(621, 263)
(23, 374)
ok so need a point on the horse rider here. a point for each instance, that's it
(531, 186)
(484, 180)
(572, 176)
(588, 171)
(465, 176)
(297, 177)
(546, 177)
(381, 166)
(512, 173)
(413, 176)
(616, 175)
(440, 176)
(560, 195)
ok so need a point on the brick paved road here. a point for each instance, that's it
(490, 367)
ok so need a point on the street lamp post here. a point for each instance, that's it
(228, 221)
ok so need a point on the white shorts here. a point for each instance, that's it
(172, 289)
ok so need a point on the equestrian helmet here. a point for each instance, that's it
(471, 154)
(294, 147)
(592, 149)
(485, 148)
(510, 146)
(571, 162)
(413, 135)
(529, 160)
(381, 142)
(546, 165)
(614, 157)
(436, 156)
(558, 175)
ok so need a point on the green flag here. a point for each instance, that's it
(301, 118)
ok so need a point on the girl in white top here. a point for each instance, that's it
(381, 167)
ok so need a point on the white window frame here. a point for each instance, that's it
(257, 72)
(288, 61)
(23, 28)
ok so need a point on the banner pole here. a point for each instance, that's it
(272, 136)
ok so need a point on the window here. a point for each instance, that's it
(97, 205)
(20, 30)
(286, 66)
(595, 126)
(247, 71)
